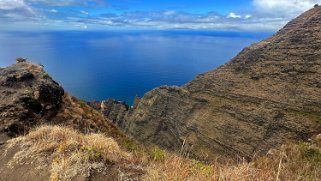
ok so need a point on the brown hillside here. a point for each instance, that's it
(269, 94)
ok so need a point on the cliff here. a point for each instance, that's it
(269, 94)
(29, 97)
(34, 147)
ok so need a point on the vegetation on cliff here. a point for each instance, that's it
(61, 153)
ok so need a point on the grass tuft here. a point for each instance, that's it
(157, 154)
(69, 152)
(290, 162)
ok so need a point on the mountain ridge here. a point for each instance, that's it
(267, 95)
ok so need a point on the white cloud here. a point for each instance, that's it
(169, 13)
(68, 2)
(287, 8)
(11, 10)
(54, 2)
(164, 20)
(247, 16)
(268, 15)
(54, 11)
(12, 4)
(233, 15)
(84, 12)
(181, 20)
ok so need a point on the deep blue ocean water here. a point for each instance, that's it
(120, 65)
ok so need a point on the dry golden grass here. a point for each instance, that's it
(291, 162)
(78, 115)
(68, 152)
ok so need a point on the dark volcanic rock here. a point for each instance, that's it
(267, 95)
(114, 110)
(27, 97)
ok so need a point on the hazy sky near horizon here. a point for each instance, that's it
(218, 15)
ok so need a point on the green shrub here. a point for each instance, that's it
(310, 152)
(92, 153)
(82, 104)
(129, 145)
(157, 154)
(200, 167)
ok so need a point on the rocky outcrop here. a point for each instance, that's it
(136, 101)
(269, 94)
(163, 111)
(114, 110)
(27, 96)
(30, 97)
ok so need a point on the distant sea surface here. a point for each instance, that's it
(123, 64)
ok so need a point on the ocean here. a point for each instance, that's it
(122, 64)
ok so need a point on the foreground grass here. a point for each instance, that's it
(71, 153)
(290, 162)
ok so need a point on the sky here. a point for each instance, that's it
(214, 15)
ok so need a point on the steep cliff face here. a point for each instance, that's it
(267, 95)
(114, 110)
(30, 97)
(27, 95)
